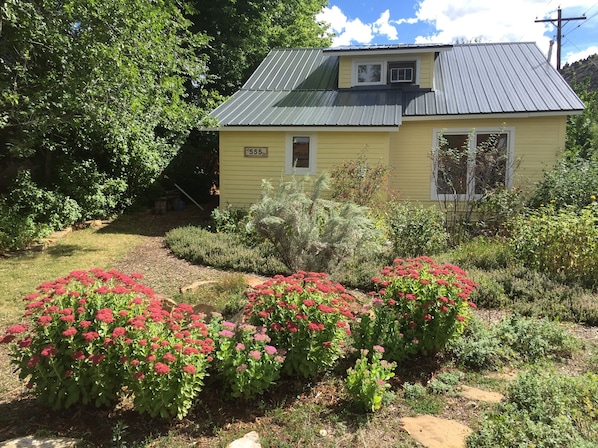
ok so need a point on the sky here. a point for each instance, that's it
(357, 22)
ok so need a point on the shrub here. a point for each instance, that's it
(223, 250)
(482, 253)
(543, 409)
(356, 181)
(367, 381)
(563, 243)
(243, 358)
(416, 231)
(305, 314)
(418, 308)
(570, 183)
(308, 232)
(93, 332)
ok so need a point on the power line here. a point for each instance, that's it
(559, 35)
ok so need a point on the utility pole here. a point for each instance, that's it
(558, 22)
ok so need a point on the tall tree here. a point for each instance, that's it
(242, 33)
(94, 97)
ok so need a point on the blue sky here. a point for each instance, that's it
(357, 22)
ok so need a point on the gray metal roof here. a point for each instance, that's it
(299, 87)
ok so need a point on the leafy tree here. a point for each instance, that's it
(582, 129)
(242, 33)
(94, 98)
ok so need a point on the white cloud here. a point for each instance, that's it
(491, 21)
(382, 26)
(354, 30)
(571, 57)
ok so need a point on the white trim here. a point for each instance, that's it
(509, 130)
(288, 160)
(384, 69)
(306, 129)
(355, 72)
(490, 116)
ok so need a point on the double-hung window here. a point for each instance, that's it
(301, 154)
(468, 163)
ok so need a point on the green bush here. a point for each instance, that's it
(514, 339)
(571, 183)
(482, 253)
(560, 242)
(543, 409)
(416, 230)
(310, 233)
(223, 251)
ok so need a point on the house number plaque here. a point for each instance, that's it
(256, 151)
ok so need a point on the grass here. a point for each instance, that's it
(84, 249)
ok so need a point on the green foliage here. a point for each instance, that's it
(418, 307)
(582, 129)
(243, 359)
(94, 100)
(358, 182)
(494, 210)
(307, 315)
(513, 339)
(308, 232)
(543, 409)
(482, 253)
(416, 230)
(229, 220)
(93, 333)
(562, 243)
(223, 250)
(414, 391)
(367, 381)
(571, 183)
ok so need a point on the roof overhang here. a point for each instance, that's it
(386, 49)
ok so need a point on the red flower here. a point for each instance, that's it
(118, 331)
(33, 362)
(49, 350)
(169, 357)
(161, 368)
(78, 355)
(16, 329)
(151, 358)
(312, 326)
(90, 336)
(292, 327)
(460, 318)
(72, 331)
(139, 376)
(309, 302)
(96, 359)
(105, 315)
(190, 369)
(326, 309)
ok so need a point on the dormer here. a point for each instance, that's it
(393, 66)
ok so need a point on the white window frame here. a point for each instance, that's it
(289, 162)
(356, 65)
(470, 194)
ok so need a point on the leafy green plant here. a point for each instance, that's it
(543, 409)
(418, 307)
(223, 250)
(479, 348)
(367, 381)
(563, 242)
(243, 358)
(308, 232)
(416, 230)
(93, 332)
(305, 314)
(414, 391)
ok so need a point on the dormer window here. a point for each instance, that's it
(389, 72)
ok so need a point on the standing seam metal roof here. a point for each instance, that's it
(299, 87)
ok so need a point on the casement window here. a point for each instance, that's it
(301, 154)
(467, 163)
(369, 73)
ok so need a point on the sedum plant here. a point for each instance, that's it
(305, 314)
(93, 334)
(308, 232)
(418, 307)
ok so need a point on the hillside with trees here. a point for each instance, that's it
(580, 71)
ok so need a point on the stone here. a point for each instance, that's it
(42, 442)
(473, 393)
(249, 440)
(434, 432)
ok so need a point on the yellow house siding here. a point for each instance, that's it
(344, 72)
(241, 177)
(426, 71)
(538, 142)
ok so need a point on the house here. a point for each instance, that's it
(304, 111)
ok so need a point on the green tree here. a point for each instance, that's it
(94, 98)
(582, 129)
(244, 31)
